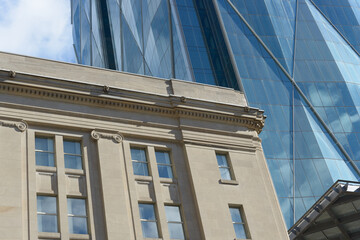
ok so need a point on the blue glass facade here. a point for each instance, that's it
(296, 59)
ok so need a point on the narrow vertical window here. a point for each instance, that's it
(224, 167)
(47, 214)
(148, 221)
(175, 224)
(44, 151)
(164, 164)
(77, 216)
(72, 154)
(238, 223)
(139, 161)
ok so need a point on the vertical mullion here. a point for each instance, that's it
(61, 179)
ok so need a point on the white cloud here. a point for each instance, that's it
(39, 28)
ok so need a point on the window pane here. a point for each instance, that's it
(165, 171)
(176, 231)
(138, 154)
(76, 206)
(222, 160)
(225, 173)
(140, 168)
(147, 211)
(72, 147)
(240, 231)
(74, 162)
(44, 144)
(172, 214)
(149, 229)
(47, 223)
(235, 215)
(44, 159)
(78, 225)
(46, 204)
(162, 157)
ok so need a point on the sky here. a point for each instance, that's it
(38, 28)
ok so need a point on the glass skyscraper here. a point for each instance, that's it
(296, 59)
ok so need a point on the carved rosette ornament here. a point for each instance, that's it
(116, 137)
(20, 126)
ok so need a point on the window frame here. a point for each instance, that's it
(156, 221)
(174, 222)
(171, 165)
(229, 167)
(52, 137)
(77, 155)
(78, 216)
(47, 214)
(144, 148)
(240, 209)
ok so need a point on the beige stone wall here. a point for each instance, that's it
(191, 121)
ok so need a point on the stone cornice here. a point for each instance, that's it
(116, 137)
(239, 115)
(20, 126)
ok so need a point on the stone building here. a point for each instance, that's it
(91, 153)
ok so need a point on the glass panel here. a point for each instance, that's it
(147, 211)
(149, 229)
(44, 144)
(165, 171)
(140, 168)
(222, 160)
(47, 223)
(162, 157)
(240, 231)
(138, 154)
(76, 206)
(176, 231)
(72, 147)
(235, 215)
(225, 173)
(46, 204)
(44, 159)
(78, 225)
(73, 162)
(172, 214)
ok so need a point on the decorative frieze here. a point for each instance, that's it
(20, 126)
(116, 137)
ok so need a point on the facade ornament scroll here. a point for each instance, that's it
(116, 137)
(20, 126)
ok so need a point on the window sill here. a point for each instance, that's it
(229, 182)
(74, 171)
(168, 180)
(79, 236)
(45, 169)
(143, 178)
(48, 235)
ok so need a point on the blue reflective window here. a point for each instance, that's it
(139, 161)
(72, 154)
(44, 151)
(239, 224)
(47, 214)
(148, 220)
(164, 164)
(175, 224)
(224, 167)
(77, 216)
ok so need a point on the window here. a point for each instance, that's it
(175, 224)
(148, 221)
(47, 214)
(164, 164)
(44, 151)
(224, 168)
(72, 154)
(139, 161)
(239, 223)
(77, 216)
